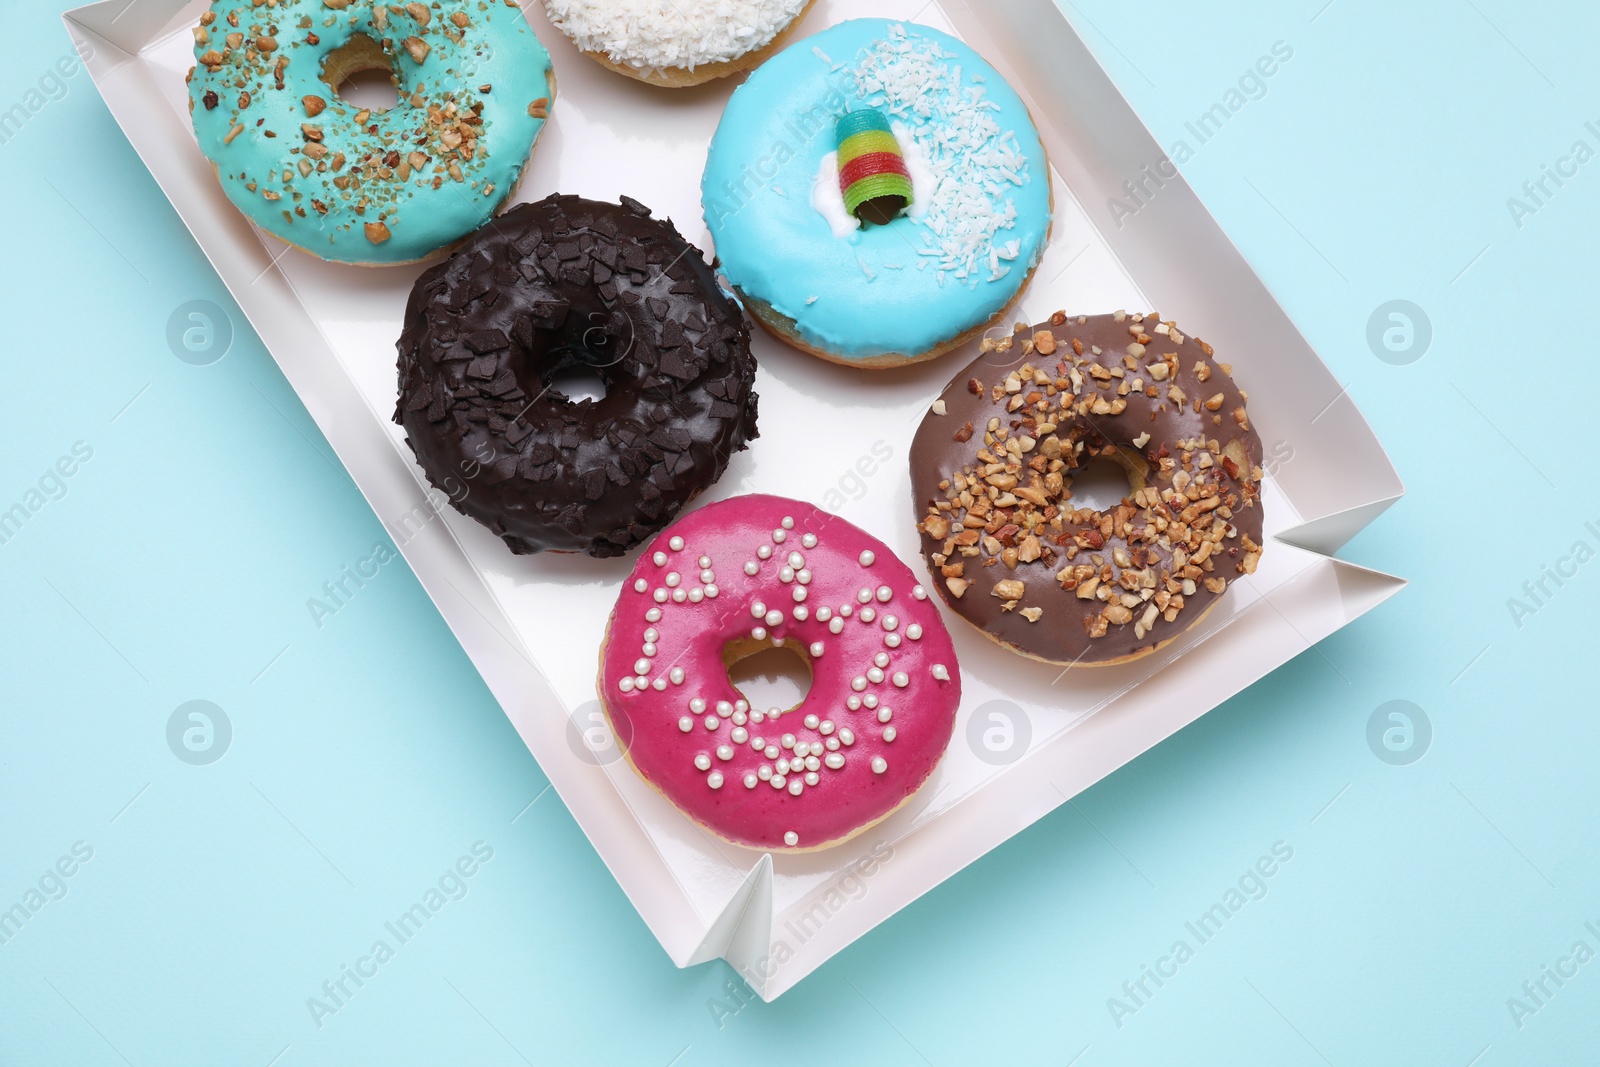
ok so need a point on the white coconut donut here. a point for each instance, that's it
(677, 43)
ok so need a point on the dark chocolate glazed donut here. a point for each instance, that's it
(545, 288)
(992, 468)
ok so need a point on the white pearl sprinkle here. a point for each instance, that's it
(750, 781)
(799, 593)
(703, 761)
(847, 610)
(707, 576)
(659, 685)
(640, 586)
(626, 685)
(812, 722)
(765, 773)
(803, 575)
(724, 708)
(879, 764)
(826, 727)
(867, 558)
(796, 560)
(919, 592)
(809, 540)
(888, 733)
(724, 752)
(771, 752)
(885, 594)
(741, 705)
(704, 562)
(870, 700)
(941, 672)
(759, 633)
(816, 648)
(679, 596)
(852, 702)
(864, 596)
(697, 705)
(653, 615)
(641, 666)
(788, 522)
(867, 614)
(686, 724)
(832, 743)
(835, 625)
(875, 675)
(676, 544)
(740, 735)
(778, 536)
(787, 741)
(714, 779)
(774, 617)
(673, 578)
(791, 838)
(889, 622)
(812, 763)
(695, 595)
(711, 592)
(914, 632)
(796, 787)
(640, 681)
(847, 736)
(759, 744)
(660, 596)
(881, 659)
(812, 778)
(659, 559)
(834, 761)
(900, 679)
(739, 718)
(858, 683)
(752, 568)
(786, 575)
(677, 676)
(885, 713)
(758, 716)
(778, 781)
(649, 649)
(891, 640)
(712, 722)
(765, 551)
(824, 613)
(652, 635)
(784, 766)
(801, 613)
(757, 610)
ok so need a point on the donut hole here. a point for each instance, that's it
(1105, 481)
(360, 74)
(769, 676)
(576, 384)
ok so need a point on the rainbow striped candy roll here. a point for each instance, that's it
(872, 169)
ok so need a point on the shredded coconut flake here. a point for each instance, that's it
(974, 163)
(653, 35)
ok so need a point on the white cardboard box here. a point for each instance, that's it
(1029, 736)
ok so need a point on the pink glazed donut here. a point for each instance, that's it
(759, 572)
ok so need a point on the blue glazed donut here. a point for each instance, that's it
(956, 257)
(357, 185)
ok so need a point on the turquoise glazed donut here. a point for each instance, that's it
(357, 185)
(846, 288)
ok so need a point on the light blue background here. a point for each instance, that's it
(367, 756)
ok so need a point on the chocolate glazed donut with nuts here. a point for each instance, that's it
(992, 468)
(567, 284)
